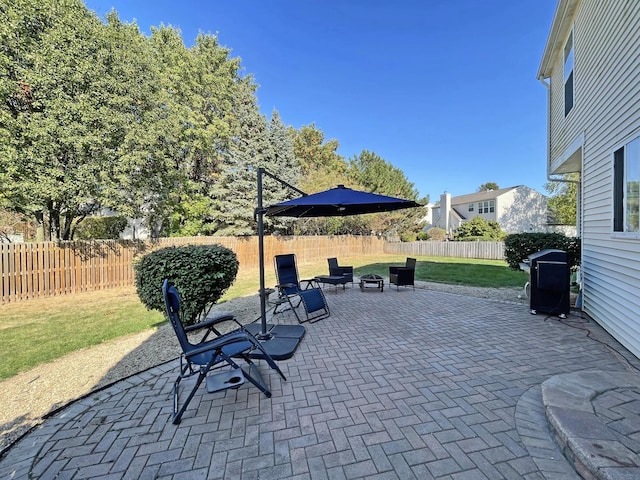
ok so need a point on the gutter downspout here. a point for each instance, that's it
(564, 180)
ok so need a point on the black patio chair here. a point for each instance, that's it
(205, 357)
(292, 294)
(336, 270)
(403, 276)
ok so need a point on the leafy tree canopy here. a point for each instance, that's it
(486, 187)
(377, 175)
(479, 229)
(97, 115)
(563, 200)
(314, 153)
(84, 113)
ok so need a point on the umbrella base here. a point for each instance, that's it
(280, 342)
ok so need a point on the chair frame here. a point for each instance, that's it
(210, 355)
(403, 276)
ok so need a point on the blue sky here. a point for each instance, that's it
(445, 90)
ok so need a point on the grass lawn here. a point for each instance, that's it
(40, 330)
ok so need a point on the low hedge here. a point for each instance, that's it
(201, 273)
(518, 246)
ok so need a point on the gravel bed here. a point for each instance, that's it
(29, 396)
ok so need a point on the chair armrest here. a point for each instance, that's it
(226, 317)
(337, 272)
(209, 326)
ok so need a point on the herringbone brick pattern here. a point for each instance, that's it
(394, 385)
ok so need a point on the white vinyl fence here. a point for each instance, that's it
(484, 250)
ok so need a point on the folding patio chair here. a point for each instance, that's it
(290, 291)
(403, 276)
(207, 356)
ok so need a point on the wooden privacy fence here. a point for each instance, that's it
(34, 270)
(484, 250)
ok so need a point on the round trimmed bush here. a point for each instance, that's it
(201, 273)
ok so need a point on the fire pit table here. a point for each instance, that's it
(372, 279)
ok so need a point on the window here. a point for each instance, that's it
(568, 75)
(626, 187)
(487, 207)
(471, 207)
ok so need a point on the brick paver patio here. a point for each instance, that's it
(394, 385)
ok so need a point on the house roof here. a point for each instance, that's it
(555, 42)
(481, 196)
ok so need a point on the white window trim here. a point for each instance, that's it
(623, 143)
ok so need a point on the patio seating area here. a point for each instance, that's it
(395, 385)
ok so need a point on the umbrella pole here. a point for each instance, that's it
(279, 341)
(263, 335)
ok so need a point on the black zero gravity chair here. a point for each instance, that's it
(204, 358)
(291, 293)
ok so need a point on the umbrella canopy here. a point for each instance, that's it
(339, 201)
(281, 341)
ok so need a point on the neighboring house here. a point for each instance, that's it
(591, 68)
(517, 209)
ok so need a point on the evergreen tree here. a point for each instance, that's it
(285, 166)
(234, 193)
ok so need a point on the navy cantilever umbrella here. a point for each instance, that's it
(282, 340)
(339, 201)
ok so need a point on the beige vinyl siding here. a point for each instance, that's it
(607, 111)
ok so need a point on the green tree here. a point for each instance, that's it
(203, 87)
(234, 193)
(489, 186)
(376, 175)
(82, 109)
(479, 229)
(321, 168)
(285, 166)
(563, 200)
(315, 154)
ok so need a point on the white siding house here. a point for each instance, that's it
(591, 68)
(517, 209)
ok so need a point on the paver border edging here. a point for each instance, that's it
(581, 434)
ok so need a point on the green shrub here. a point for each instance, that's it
(100, 228)
(478, 229)
(202, 273)
(408, 237)
(437, 234)
(518, 246)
